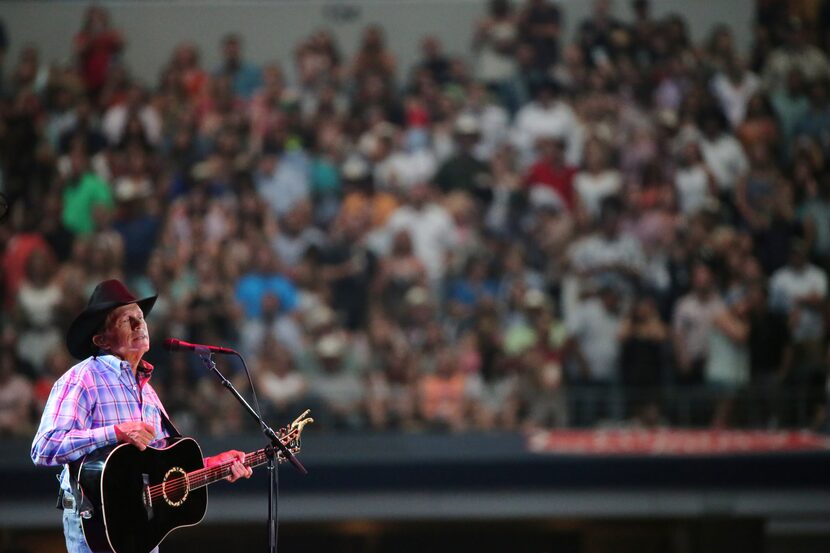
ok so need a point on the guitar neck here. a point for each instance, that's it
(209, 475)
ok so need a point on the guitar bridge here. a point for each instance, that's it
(145, 495)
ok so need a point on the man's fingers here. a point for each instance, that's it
(149, 428)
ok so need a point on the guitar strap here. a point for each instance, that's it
(168, 426)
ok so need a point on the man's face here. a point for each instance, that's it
(125, 332)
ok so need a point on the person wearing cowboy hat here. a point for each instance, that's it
(106, 398)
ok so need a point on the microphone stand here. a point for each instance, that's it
(273, 470)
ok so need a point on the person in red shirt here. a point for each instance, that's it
(550, 170)
(96, 47)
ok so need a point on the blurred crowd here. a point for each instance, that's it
(621, 228)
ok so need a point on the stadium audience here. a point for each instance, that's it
(619, 228)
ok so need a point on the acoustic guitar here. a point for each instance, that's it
(132, 499)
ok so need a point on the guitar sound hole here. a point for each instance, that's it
(175, 487)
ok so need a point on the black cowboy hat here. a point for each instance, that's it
(107, 296)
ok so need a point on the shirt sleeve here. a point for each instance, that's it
(64, 434)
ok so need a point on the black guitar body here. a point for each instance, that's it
(116, 482)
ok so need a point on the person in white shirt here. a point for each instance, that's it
(733, 88)
(692, 325)
(548, 116)
(493, 121)
(607, 254)
(115, 120)
(723, 154)
(693, 182)
(430, 226)
(800, 290)
(594, 348)
(595, 182)
(403, 167)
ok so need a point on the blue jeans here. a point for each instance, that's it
(74, 534)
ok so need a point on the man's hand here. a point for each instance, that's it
(238, 470)
(138, 433)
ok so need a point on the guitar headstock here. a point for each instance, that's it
(291, 435)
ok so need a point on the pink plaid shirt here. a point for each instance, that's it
(85, 405)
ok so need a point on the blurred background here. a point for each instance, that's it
(551, 275)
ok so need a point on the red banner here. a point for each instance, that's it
(672, 442)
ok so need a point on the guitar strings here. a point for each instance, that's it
(213, 471)
(176, 484)
(163, 488)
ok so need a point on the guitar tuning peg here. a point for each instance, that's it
(299, 419)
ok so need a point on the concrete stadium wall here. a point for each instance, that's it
(272, 28)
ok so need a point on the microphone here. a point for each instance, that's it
(172, 344)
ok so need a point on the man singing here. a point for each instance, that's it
(106, 398)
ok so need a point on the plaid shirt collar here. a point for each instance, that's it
(116, 364)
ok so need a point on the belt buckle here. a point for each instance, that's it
(68, 501)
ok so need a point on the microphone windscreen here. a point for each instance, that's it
(171, 344)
